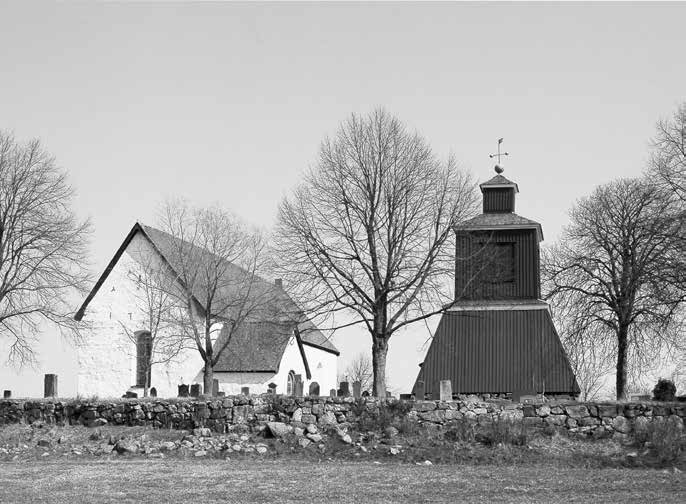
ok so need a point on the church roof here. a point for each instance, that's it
(257, 338)
(495, 220)
(498, 181)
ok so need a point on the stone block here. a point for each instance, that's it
(555, 419)
(577, 410)
(195, 390)
(421, 406)
(529, 410)
(446, 390)
(621, 424)
(607, 410)
(543, 411)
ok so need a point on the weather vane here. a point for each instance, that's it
(498, 168)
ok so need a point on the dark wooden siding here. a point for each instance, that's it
(499, 200)
(498, 351)
(470, 267)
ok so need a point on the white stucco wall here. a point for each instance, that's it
(107, 358)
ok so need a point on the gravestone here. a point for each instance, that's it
(183, 391)
(195, 390)
(298, 390)
(130, 395)
(332, 392)
(446, 392)
(221, 393)
(7, 394)
(314, 389)
(345, 389)
(50, 385)
(405, 397)
(153, 392)
(388, 394)
(245, 390)
(419, 391)
(272, 388)
(365, 393)
(357, 389)
(519, 393)
(215, 387)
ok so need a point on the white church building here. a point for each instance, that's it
(109, 359)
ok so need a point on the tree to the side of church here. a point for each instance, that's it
(366, 234)
(43, 247)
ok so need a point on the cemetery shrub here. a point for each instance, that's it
(460, 431)
(664, 390)
(502, 431)
(665, 438)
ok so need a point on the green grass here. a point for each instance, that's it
(250, 480)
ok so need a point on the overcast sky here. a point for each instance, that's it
(228, 103)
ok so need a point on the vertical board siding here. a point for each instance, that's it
(498, 352)
(499, 200)
(468, 264)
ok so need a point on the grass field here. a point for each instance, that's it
(253, 480)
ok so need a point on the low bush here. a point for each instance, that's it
(664, 390)
(460, 431)
(664, 437)
(503, 431)
(386, 414)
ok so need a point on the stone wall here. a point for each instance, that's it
(252, 413)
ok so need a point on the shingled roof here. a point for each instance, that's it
(499, 181)
(263, 341)
(491, 221)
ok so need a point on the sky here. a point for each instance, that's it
(228, 102)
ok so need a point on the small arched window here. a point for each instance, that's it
(290, 384)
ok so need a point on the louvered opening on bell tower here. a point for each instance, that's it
(499, 195)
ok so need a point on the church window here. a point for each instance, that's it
(290, 384)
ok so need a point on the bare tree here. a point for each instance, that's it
(154, 332)
(589, 346)
(621, 260)
(367, 232)
(360, 369)
(216, 259)
(668, 158)
(42, 246)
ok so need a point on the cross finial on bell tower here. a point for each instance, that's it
(498, 167)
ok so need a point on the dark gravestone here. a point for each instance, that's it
(272, 388)
(357, 389)
(332, 392)
(405, 397)
(365, 393)
(153, 392)
(215, 387)
(50, 385)
(221, 393)
(245, 390)
(419, 391)
(195, 390)
(130, 395)
(299, 388)
(388, 393)
(7, 394)
(345, 389)
(183, 391)
(314, 389)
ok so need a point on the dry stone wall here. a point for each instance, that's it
(253, 413)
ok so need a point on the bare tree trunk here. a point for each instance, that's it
(379, 352)
(622, 343)
(207, 377)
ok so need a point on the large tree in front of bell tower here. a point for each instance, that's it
(367, 232)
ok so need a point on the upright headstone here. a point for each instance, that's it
(272, 388)
(183, 390)
(215, 387)
(50, 385)
(357, 389)
(388, 394)
(195, 390)
(153, 392)
(299, 387)
(405, 397)
(332, 392)
(314, 389)
(7, 394)
(221, 393)
(365, 393)
(446, 390)
(419, 391)
(345, 389)
(245, 390)
(130, 395)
